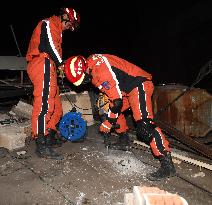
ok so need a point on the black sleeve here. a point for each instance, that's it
(47, 46)
(117, 106)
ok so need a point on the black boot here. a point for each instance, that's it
(122, 143)
(166, 170)
(53, 139)
(44, 151)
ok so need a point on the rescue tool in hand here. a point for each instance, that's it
(107, 135)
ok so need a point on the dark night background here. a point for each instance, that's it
(171, 40)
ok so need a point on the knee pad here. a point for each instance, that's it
(145, 130)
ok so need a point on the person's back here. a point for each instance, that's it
(126, 66)
(34, 42)
(110, 68)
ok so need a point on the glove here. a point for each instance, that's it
(61, 72)
(105, 127)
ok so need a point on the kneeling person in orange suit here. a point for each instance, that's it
(126, 86)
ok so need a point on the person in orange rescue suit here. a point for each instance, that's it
(126, 86)
(44, 57)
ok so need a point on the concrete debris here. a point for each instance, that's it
(82, 103)
(127, 164)
(23, 110)
(3, 117)
(16, 125)
(11, 138)
(3, 152)
(21, 153)
(13, 131)
(199, 174)
(176, 161)
(80, 199)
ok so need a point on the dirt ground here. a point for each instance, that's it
(90, 174)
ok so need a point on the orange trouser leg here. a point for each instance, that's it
(123, 124)
(57, 113)
(141, 105)
(44, 78)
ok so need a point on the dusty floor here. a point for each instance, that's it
(91, 175)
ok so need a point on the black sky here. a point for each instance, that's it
(172, 39)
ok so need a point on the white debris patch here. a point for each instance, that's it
(127, 164)
(80, 198)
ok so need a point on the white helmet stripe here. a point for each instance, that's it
(77, 83)
(72, 66)
(75, 14)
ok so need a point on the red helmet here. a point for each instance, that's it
(72, 14)
(74, 17)
(75, 68)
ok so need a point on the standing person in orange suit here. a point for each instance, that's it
(126, 86)
(44, 57)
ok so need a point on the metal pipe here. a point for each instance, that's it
(19, 51)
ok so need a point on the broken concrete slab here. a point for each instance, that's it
(11, 137)
(22, 110)
(82, 103)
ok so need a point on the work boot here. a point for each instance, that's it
(43, 151)
(166, 169)
(122, 143)
(53, 139)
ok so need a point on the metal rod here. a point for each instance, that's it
(19, 51)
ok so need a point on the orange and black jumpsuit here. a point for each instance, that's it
(44, 55)
(120, 79)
